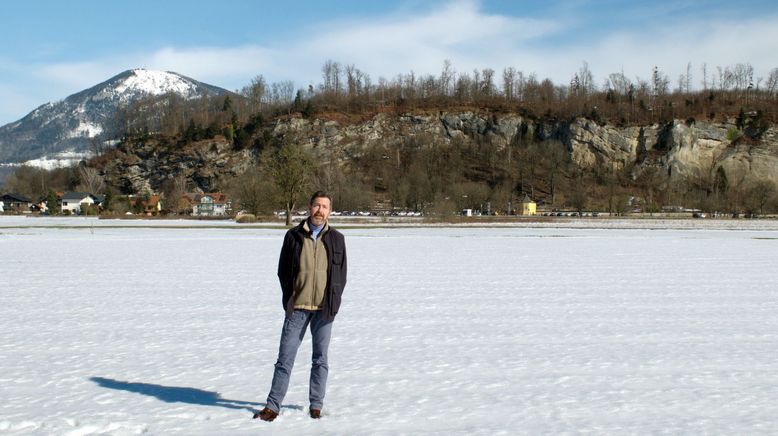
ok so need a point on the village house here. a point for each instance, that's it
(42, 205)
(150, 206)
(210, 204)
(528, 207)
(74, 202)
(15, 203)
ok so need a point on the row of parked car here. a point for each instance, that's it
(584, 214)
(351, 213)
(355, 213)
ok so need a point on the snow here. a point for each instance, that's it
(155, 83)
(85, 129)
(504, 330)
(59, 160)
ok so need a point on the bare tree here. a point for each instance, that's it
(91, 180)
(758, 195)
(291, 168)
(649, 181)
(352, 81)
(660, 82)
(476, 85)
(255, 191)
(586, 80)
(771, 84)
(255, 92)
(619, 83)
(579, 198)
(508, 82)
(336, 81)
(704, 76)
(743, 76)
(446, 78)
(555, 159)
(463, 88)
(329, 71)
(688, 82)
(173, 190)
(487, 84)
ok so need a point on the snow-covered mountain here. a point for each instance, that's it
(60, 132)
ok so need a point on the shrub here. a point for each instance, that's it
(246, 218)
(733, 134)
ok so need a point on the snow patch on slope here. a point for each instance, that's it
(85, 129)
(60, 160)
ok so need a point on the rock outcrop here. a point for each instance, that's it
(144, 166)
(677, 149)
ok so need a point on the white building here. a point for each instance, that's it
(74, 201)
(212, 204)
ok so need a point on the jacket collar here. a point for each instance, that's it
(306, 229)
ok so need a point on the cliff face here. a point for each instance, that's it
(141, 167)
(678, 150)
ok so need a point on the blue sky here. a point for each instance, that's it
(51, 49)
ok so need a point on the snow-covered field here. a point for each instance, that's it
(460, 330)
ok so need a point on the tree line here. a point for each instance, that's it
(718, 93)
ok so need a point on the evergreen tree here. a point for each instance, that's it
(51, 203)
(108, 199)
(298, 101)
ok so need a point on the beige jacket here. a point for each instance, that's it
(311, 281)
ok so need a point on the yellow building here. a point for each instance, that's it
(528, 207)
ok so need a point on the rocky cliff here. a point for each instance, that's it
(678, 149)
(144, 166)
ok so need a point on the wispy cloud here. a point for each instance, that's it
(459, 32)
(671, 48)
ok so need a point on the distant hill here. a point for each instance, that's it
(63, 130)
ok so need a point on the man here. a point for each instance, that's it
(312, 272)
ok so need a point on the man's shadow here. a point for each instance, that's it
(175, 394)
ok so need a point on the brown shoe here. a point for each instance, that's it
(315, 413)
(266, 414)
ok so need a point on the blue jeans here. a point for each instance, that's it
(291, 337)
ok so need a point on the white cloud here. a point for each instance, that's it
(215, 64)
(380, 47)
(672, 48)
(460, 31)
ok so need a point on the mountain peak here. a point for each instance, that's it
(155, 82)
(68, 125)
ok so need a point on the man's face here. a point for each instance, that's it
(319, 210)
